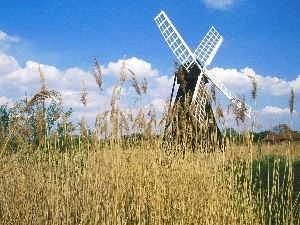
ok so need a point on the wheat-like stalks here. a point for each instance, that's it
(83, 128)
(181, 78)
(41, 125)
(139, 123)
(43, 93)
(213, 92)
(166, 118)
(219, 112)
(152, 123)
(124, 125)
(115, 112)
(41, 96)
(145, 179)
(101, 124)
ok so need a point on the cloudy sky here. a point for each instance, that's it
(261, 39)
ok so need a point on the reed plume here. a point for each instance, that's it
(135, 83)
(292, 101)
(213, 92)
(145, 85)
(143, 178)
(84, 94)
(239, 109)
(291, 104)
(43, 94)
(254, 97)
(219, 112)
(98, 74)
(123, 71)
(42, 79)
(254, 88)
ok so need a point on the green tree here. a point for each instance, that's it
(292, 104)
(4, 120)
(281, 128)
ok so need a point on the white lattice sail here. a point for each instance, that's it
(200, 103)
(208, 47)
(203, 54)
(174, 40)
(239, 103)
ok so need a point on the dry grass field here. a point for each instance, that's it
(143, 185)
(68, 177)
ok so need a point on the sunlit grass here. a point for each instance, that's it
(112, 185)
(75, 177)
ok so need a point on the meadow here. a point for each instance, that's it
(124, 170)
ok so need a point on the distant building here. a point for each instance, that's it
(275, 138)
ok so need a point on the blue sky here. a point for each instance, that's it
(261, 38)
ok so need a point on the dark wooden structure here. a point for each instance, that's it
(277, 138)
(186, 130)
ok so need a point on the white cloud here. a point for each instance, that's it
(235, 81)
(159, 105)
(271, 110)
(163, 87)
(24, 75)
(218, 4)
(140, 68)
(238, 81)
(5, 100)
(7, 38)
(71, 98)
(270, 116)
(296, 84)
(276, 86)
(8, 64)
(72, 78)
(16, 80)
(31, 73)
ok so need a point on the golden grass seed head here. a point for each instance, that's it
(84, 94)
(98, 74)
(292, 101)
(134, 83)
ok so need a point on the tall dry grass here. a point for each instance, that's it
(133, 175)
(139, 185)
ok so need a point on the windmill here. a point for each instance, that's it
(193, 68)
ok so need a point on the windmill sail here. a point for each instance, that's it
(204, 54)
(208, 47)
(174, 40)
(200, 99)
(239, 103)
(183, 54)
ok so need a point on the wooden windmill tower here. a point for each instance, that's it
(192, 78)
